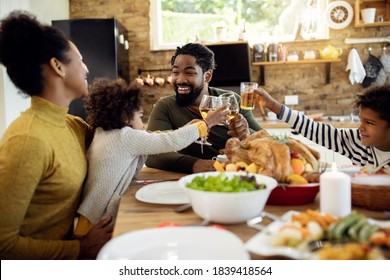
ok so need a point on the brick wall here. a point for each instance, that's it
(305, 80)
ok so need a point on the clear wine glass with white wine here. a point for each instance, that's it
(207, 104)
(234, 108)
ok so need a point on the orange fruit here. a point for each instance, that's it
(218, 166)
(295, 179)
(297, 165)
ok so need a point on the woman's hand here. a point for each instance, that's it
(99, 234)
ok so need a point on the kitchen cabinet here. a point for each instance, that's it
(327, 63)
(382, 9)
(102, 43)
(326, 155)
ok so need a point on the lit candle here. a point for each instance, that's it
(335, 193)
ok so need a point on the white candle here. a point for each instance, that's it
(335, 193)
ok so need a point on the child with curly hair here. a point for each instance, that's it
(368, 145)
(120, 145)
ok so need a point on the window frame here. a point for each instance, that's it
(156, 25)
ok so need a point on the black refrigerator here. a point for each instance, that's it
(104, 47)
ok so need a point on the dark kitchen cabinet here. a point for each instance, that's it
(104, 47)
(233, 61)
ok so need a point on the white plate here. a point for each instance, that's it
(350, 169)
(261, 243)
(162, 193)
(175, 243)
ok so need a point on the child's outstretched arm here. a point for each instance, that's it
(214, 117)
(265, 99)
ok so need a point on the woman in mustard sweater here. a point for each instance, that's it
(43, 152)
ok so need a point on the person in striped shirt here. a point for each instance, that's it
(368, 145)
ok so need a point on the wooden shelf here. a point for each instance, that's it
(382, 8)
(311, 61)
(383, 23)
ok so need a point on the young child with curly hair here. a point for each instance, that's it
(368, 145)
(120, 145)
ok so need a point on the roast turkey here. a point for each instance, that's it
(271, 154)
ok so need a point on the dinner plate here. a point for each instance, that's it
(162, 193)
(261, 243)
(175, 243)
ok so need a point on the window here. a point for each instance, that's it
(176, 22)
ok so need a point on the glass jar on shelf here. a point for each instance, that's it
(309, 55)
(293, 56)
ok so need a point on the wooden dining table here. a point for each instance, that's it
(136, 215)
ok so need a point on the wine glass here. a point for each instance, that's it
(207, 104)
(229, 98)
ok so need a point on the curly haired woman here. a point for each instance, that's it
(120, 145)
(43, 152)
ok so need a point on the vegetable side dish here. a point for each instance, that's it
(222, 183)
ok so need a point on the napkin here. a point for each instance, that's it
(357, 71)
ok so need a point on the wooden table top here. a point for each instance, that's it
(129, 221)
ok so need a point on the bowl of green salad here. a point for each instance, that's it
(227, 197)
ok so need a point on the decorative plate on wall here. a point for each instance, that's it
(339, 14)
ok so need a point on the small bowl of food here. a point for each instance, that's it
(290, 195)
(227, 197)
(299, 190)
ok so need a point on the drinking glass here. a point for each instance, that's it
(207, 104)
(247, 95)
(229, 98)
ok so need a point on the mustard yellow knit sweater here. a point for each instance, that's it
(42, 169)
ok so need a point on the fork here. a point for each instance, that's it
(255, 222)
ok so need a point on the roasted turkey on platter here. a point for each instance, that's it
(273, 155)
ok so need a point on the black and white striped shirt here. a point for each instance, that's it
(346, 142)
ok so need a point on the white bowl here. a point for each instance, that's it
(228, 208)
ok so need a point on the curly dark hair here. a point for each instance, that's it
(25, 46)
(376, 98)
(112, 103)
(203, 55)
